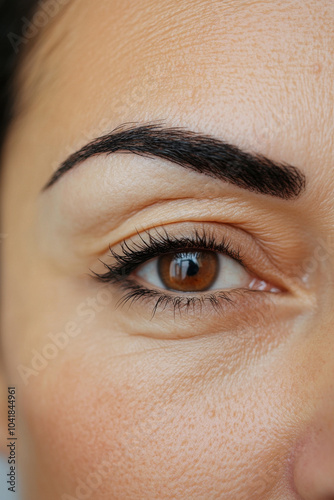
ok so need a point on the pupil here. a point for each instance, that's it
(193, 266)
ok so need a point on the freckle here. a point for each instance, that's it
(211, 413)
(316, 68)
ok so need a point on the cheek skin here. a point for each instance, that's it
(127, 429)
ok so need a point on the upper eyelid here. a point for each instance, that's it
(255, 259)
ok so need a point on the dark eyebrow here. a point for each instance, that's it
(204, 154)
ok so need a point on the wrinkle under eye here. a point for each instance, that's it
(188, 271)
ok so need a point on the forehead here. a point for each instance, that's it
(258, 74)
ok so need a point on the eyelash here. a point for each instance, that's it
(133, 254)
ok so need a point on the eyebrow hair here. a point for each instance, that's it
(201, 153)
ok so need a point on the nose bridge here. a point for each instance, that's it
(313, 468)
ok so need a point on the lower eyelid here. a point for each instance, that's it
(199, 306)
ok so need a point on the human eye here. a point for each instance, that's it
(180, 271)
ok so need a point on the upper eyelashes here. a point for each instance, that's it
(182, 271)
(134, 254)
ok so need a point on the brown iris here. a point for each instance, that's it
(188, 271)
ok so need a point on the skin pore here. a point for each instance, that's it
(227, 402)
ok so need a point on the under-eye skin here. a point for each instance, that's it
(181, 271)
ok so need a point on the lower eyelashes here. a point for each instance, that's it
(158, 300)
(181, 272)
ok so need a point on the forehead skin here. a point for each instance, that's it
(254, 73)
